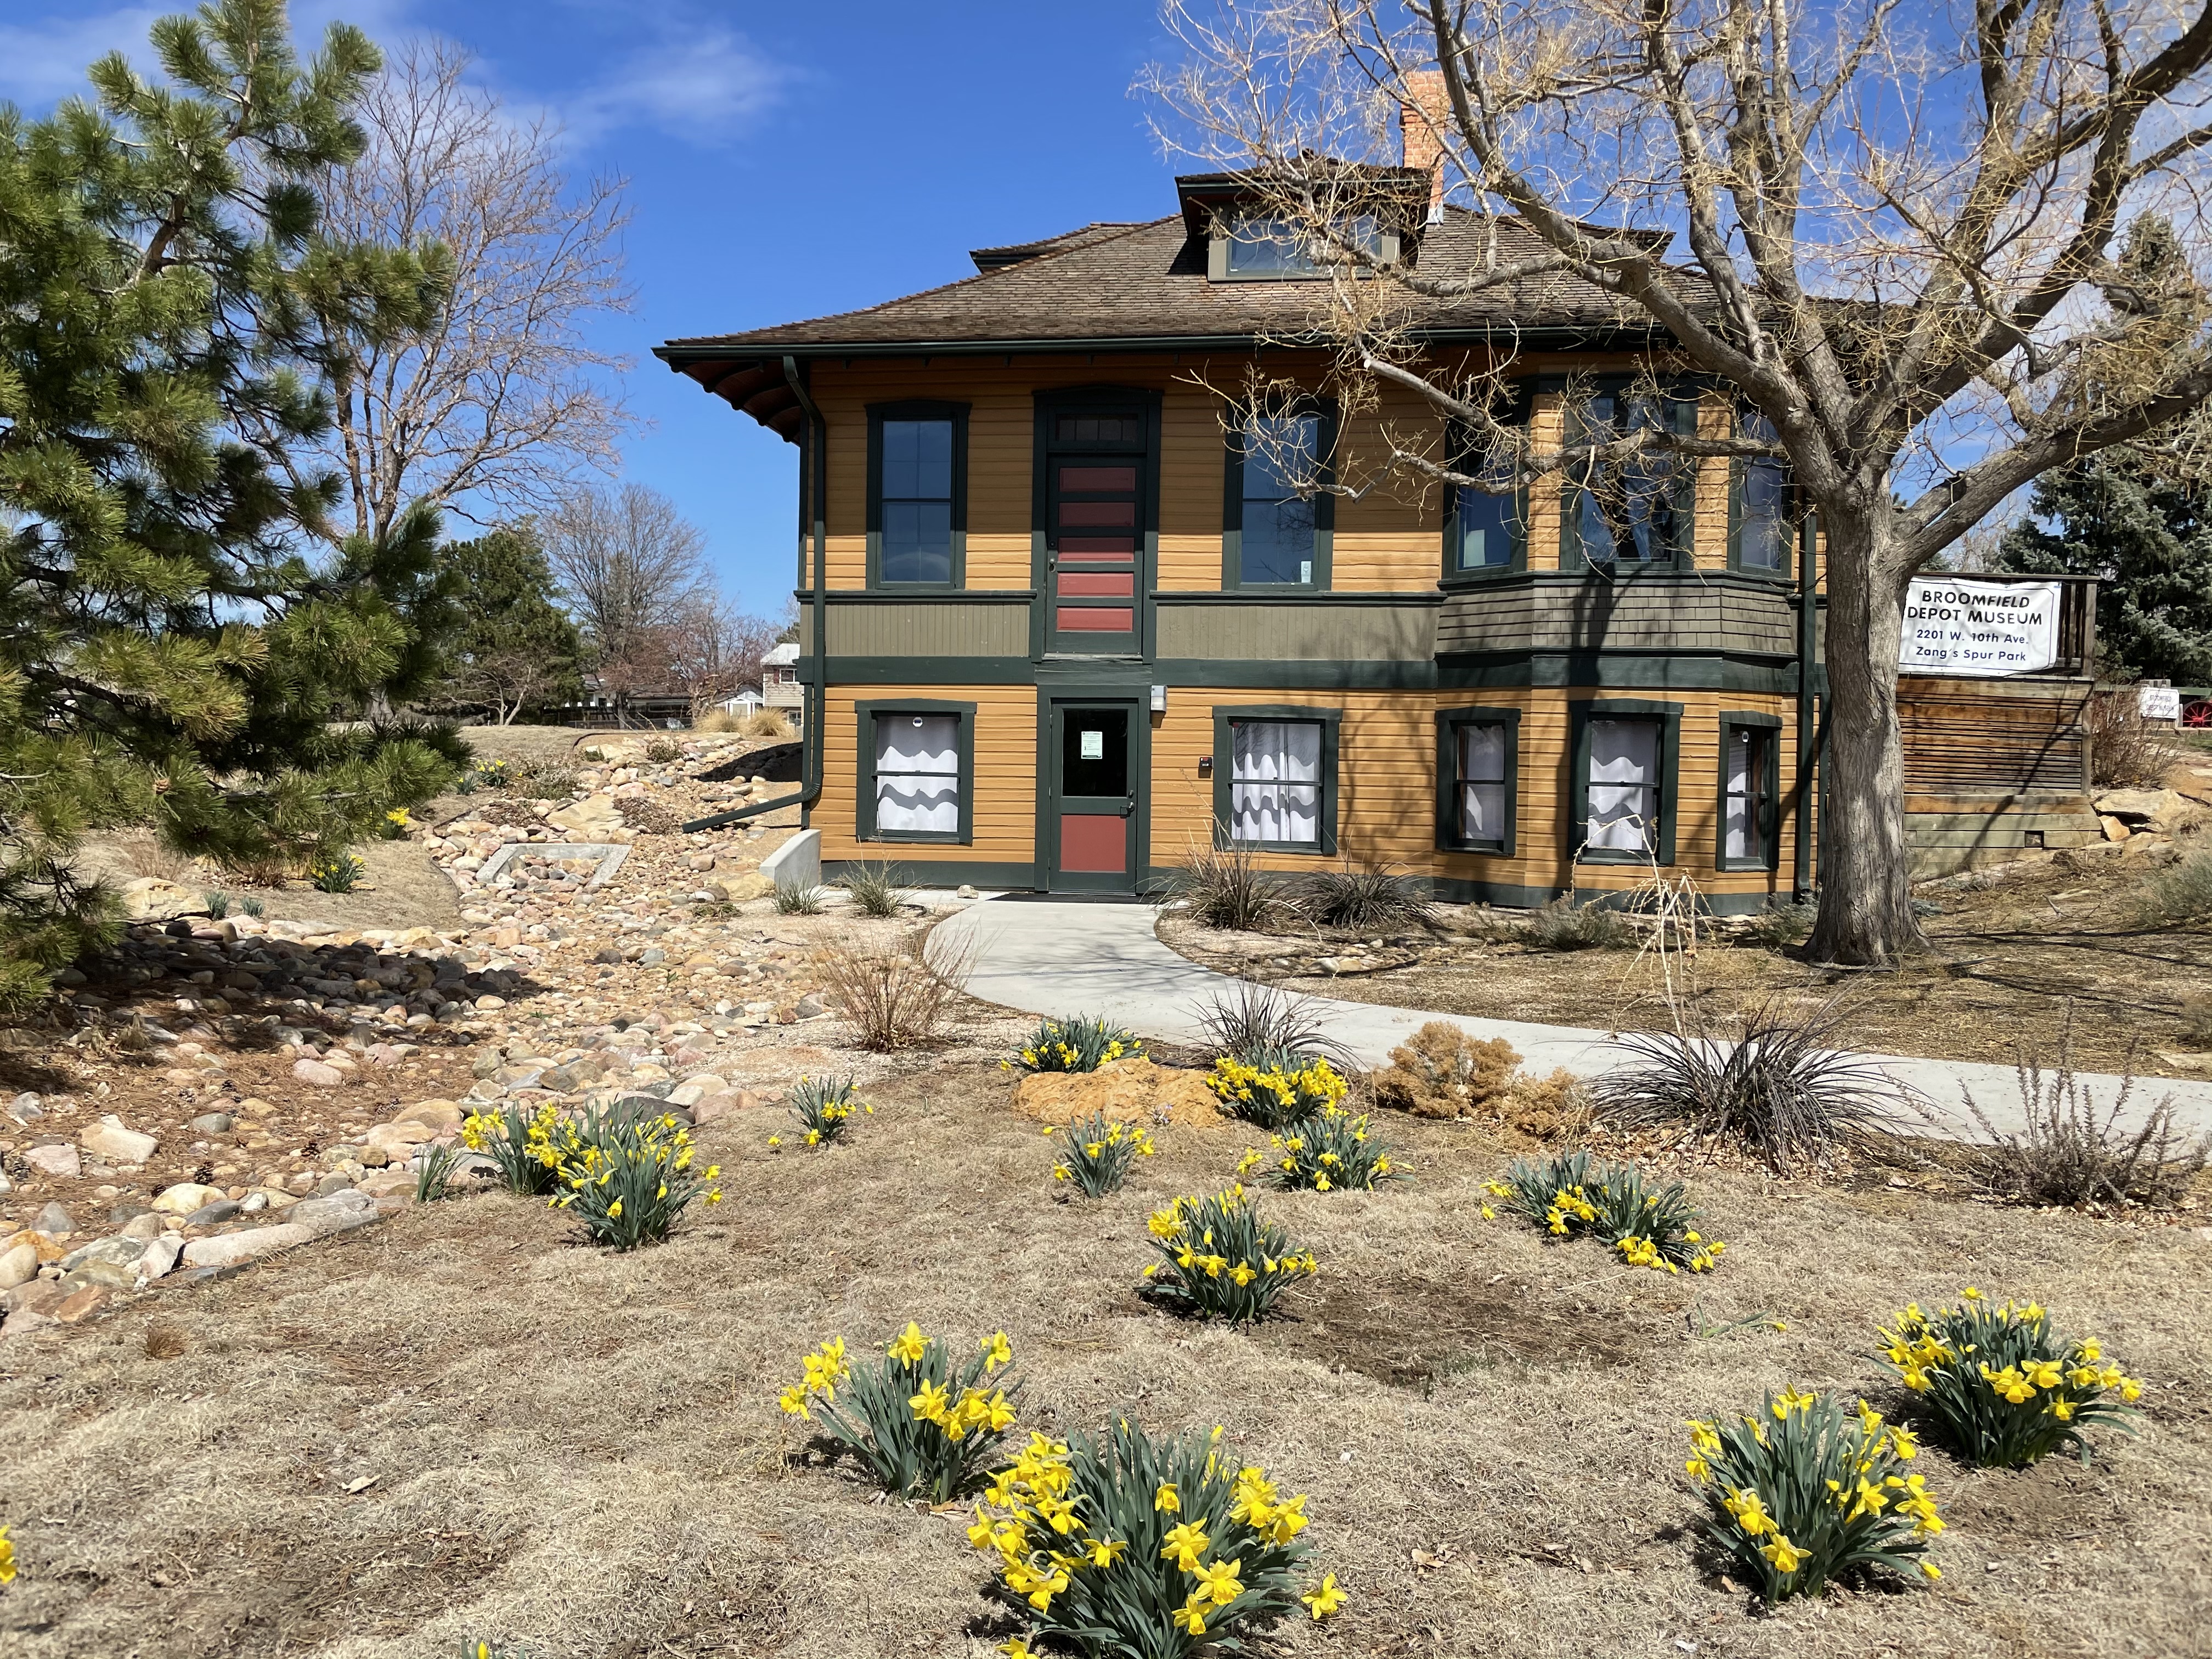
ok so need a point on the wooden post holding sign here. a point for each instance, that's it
(1959, 625)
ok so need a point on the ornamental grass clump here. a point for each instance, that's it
(1331, 1151)
(1576, 1193)
(1082, 1044)
(627, 1176)
(822, 1105)
(923, 1425)
(1276, 1088)
(1808, 1493)
(2006, 1389)
(1122, 1545)
(521, 1147)
(1100, 1154)
(1220, 1261)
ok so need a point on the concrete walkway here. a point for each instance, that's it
(1046, 957)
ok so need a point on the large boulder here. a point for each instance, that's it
(2162, 812)
(230, 1250)
(594, 815)
(1133, 1090)
(150, 898)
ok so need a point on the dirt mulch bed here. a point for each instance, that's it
(2005, 964)
(462, 1422)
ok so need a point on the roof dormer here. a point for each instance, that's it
(1250, 236)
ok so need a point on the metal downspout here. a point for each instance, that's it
(814, 717)
(1809, 599)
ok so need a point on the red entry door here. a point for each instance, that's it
(1095, 513)
(1094, 799)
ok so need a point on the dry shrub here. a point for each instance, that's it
(2074, 1152)
(163, 1342)
(2125, 750)
(1545, 1108)
(1563, 924)
(895, 998)
(1442, 1072)
(1254, 1022)
(1367, 896)
(145, 853)
(1224, 886)
(769, 723)
(2176, 896)
(717, 719)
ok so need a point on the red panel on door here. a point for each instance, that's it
(1096, 584)
(1098, 480)
(1104, 619)
(1097, 515)
(1091, 843)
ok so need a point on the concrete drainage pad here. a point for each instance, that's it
(556, 863)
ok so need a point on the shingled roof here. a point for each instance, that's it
(1105, 286)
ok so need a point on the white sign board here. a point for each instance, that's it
(2158, 702)
(1957, 625)
(1094, 745)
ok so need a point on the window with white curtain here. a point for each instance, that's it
(1274, 791)
(1484, 809)
(1624, 786)
(917, 774)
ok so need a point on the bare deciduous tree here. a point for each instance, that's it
(503, 398)
(1925, 246)
(714, 649)
(631, 566)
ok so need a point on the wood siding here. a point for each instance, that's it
(928, 630)
(1004, 809)
(1260, 632)
(1994, 738)
(1641, 613)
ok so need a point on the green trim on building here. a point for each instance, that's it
(946, 873)
(1770, 791)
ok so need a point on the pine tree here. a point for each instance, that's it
(2123, 518)
(515, 647)
(168, 655)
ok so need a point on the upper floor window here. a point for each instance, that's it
(1759, 524)
(1257, 245)
(917, 460)
(1278, 509)
(1633, 509)
(1485, 527)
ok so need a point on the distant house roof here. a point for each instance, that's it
(1132, 285)
(782, 656)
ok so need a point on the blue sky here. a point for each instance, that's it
(784, 161)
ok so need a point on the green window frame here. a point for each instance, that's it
(1741, 468)
(867, 715)
(918, 410)
(1451, 836)
(1324, 413)
(1225, 720)
(1516, 525)
(1766, 789)
(1680, 414)
(1668, 716)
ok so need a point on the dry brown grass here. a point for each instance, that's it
(897, 995)
(142, 853)
(581, 1451)
(769, 723)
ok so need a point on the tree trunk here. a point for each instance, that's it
(1866, 896)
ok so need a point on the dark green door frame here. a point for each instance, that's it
(1054, 734)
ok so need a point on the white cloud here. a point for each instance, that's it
(702, 88)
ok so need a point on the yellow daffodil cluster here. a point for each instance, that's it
(1099, 1153)
(1325, 1152)
(1569, 1205)
(481, 1132)
(7, 1558)
(629, 1178)
(1220, 1259)
(925, 1423)
(2008, 1390)
(825, 1369)
(1069, 1535)
(1645, 1253)
(1833, 1479)
(1274, 1096)
(822, 1106)
(1074, 1045)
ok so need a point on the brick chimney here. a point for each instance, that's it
(1423, 118)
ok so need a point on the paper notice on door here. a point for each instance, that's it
(1094, 745)
(1953, 625)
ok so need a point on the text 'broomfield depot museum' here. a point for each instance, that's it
(1062, 617)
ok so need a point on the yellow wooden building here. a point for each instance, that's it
(1063, 619)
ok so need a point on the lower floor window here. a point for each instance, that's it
(1482, 802)
(1275, 794)
(1747, 761)
(917, 774)
(1624, 785)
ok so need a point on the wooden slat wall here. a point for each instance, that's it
(2011, 737)
(1387, 541)
(1387, 800)
(1005, 773)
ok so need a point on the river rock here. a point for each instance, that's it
(333, 1213)
(317, 1074)
(18, 1267)
(161, 1256)
(229, 1249)
(110, 1139)
(54, 1221)
(55, 1160)
(186, 1197)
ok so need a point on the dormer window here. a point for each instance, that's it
(1257, 247)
